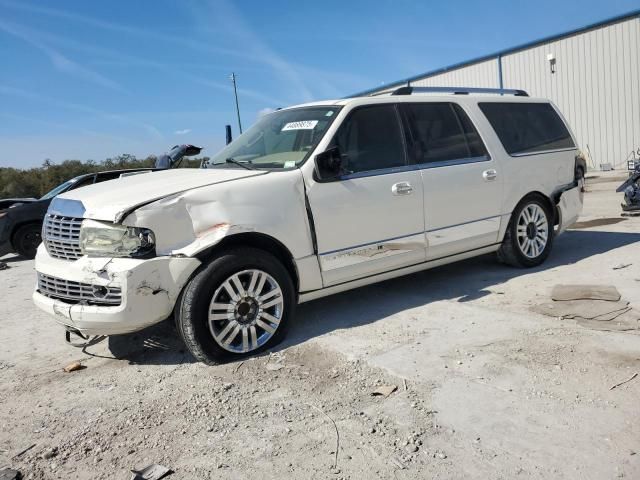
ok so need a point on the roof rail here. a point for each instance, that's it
(458, 91)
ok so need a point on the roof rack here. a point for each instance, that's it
(407, 90)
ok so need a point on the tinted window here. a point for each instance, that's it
(103, 177)
(441, 131)
(527, 127)
(84, 182)
(371, 139)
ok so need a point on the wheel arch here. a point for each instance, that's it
(550, 204)
(257, 240)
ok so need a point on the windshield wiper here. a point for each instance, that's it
(235, 162)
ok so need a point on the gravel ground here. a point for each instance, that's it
(485, 387)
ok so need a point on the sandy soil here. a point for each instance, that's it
(486, 388)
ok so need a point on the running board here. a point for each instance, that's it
(361, 282)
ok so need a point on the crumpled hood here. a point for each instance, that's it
(112, 200)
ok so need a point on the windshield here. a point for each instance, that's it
(281, 139)
(63, 187)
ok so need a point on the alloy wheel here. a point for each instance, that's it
(532, 230)
(245, 311)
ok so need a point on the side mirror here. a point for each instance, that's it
(328, 165)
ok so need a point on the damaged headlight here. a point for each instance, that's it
(101, 239)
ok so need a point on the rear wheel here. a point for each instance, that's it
(26, 240)
(239, 304)
(529, 236)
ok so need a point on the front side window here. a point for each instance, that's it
(440, 132)
(281, 139)
(371, 139)
(527, 127)
(63, 187)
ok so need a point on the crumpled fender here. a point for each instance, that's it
(189, 222)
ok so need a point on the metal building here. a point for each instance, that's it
(591, 73)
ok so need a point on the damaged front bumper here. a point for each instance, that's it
(570, 207)
(109, 296)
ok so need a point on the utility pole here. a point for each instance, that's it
(235, 92)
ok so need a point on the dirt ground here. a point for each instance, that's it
(486, 388)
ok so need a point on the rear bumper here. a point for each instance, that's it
(149, 291)
(569, 207)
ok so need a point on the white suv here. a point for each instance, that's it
(312, 200)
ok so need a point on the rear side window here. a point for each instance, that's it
(527, 127)
(441, 131)
(371, 139)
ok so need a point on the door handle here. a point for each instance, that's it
(401, 188)
(489, 175)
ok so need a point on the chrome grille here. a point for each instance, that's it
(76, 292)
(61, 236)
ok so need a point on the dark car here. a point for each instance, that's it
(21, 218)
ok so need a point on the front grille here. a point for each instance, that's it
(61, 236)
(76, 292)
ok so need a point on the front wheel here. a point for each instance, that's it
(26, 240)
(239, 304)
(529, 236)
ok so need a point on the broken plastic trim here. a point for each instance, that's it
(88, 340)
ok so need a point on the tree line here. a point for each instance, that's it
(35, 182)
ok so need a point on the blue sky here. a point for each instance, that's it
(90, 80)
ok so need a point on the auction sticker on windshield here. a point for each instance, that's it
(301, 125)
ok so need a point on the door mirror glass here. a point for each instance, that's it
(328, 164)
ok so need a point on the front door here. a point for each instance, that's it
(462, 183)
(370, 220)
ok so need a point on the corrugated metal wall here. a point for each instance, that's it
(483, 74)
(596, 85)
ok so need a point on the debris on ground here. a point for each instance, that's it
(10, 474)
(3, 266)
(626, 381)
(598, 307)
(275, 362)
(622, 265)
(50, 453)
(585, 292)
(384, 390)
(24, 450)
(74, 366)
(151, 472)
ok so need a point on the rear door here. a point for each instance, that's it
(370, 220)
(462, 183)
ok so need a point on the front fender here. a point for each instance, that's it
(189, 222)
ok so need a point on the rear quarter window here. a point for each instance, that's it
(527, 127)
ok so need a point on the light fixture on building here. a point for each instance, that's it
(552, 62)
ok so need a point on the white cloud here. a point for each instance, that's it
(182, 132)
(122, 119)
(59, 61)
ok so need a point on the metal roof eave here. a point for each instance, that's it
(523, 46)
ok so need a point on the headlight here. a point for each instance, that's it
(101, 239)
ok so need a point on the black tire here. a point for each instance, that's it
(26, 240)
(511, 252)
(192, 312)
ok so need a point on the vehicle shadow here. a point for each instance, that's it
(462, 281)
(155, 345)
(13, 258)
